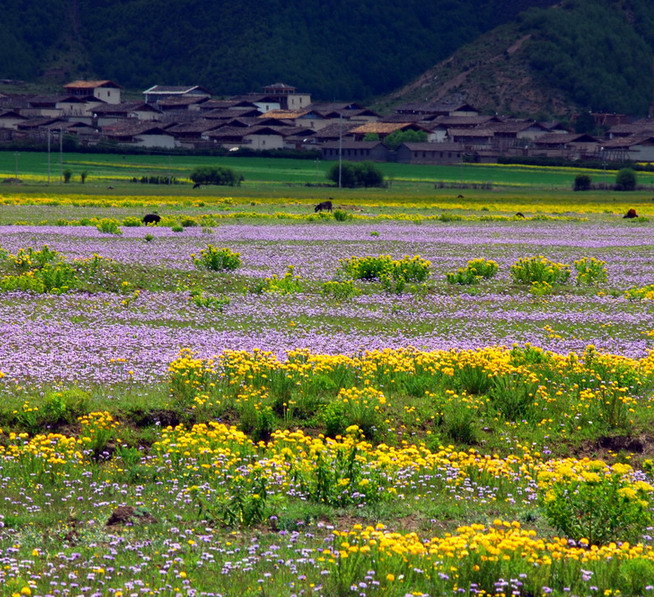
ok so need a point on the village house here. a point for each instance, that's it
(288, 96)
(570, 146)
(355, 151)
(157, 93)
(636, 148)
(430, 153)
(112, 113)
(431, 111)
(106, 91)
(382, 129)
(10, 119)
(140, 134)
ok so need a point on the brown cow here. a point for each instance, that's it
(630, 214)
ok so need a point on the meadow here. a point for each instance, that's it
(426, 395)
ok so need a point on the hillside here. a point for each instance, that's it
(342, 49)
(578, 55)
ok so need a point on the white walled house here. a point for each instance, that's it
(107, 91)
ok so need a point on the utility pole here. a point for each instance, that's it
(16, 156)
(340, 148)
(49, 131)
(61, 155)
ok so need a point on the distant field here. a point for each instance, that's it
(34, 166)
(293, 186)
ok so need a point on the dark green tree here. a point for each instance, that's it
(626, 180)
(216, 175)
(394, 140)
(582, 182)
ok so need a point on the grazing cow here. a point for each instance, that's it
(151, 219)
(520, 215)
(460, 197)
(325, 205)
(197, 185)
(630, 214)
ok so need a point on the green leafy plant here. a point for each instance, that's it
(539, 269)
(590, 271)
(598, 506)
(109, 226)
(340, 291)
(214, 259)
(214, 303)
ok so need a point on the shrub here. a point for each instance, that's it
(109, 226)
(68, 174)
(132, 222)
(340, 291)
(407, 269)
(590, 271)
(539, 269)
(215, 303)
(29, 259)
(342, 216)
(474, 272)
(599, 506)
(625, 180)
(289, 283)
(360, 174)
(216, 175)
(642, 293)
(215, 259)
(177, 228)
(582, 182)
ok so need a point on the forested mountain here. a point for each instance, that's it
(523, 56)
(577, 55)
(346, 49)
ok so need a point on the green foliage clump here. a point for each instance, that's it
(642, 293)
(132, 222)
(215, 259)
(205, 301)
(109, 226)
(590, 271)
(539, 269)
(356, 174)
(342, 216)
(475, 271)
(289, 283)
(599, 507)
(394, 140)
(217, 175)
(626, 180)
(340, 291)
(408, 269)
(583, 182)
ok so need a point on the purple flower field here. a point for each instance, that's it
(88, 339)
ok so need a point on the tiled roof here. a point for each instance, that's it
(90, 84)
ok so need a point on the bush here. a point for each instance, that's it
(109, 226)
(215, 259)
(539, 269)
(216, 175)
(340, 291)
(132, 222)
(582, 182)
(599, 506)
(474, 272)
(289, 283)
(625, 180)
(342, 216)
(590, 271)
(204, 301)
(361, 174)
(382, 267)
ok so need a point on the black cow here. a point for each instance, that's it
(630, 214)
(520, 215)
(197, 185)
(151, 219)
(325, 205)
(460, 197)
